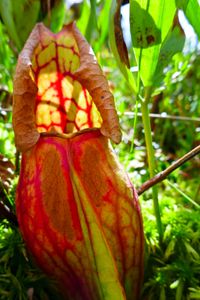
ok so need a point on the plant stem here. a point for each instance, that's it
(49, 13)
(136, 111)
(151, 157)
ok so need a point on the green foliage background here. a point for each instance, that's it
(172, 264)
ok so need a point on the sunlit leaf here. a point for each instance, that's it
(150, 23)
(144, 30)
(173, 44)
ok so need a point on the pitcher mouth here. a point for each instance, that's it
(59, 87)
(70, 135)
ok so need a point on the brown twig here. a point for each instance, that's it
(162, 175)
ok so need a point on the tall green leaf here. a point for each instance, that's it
(173, 44)
(7, 17)
(92, 22)
(103, 25)
(191, 9)
(57, 16)
(113, 45)
(7, 62)
(19, 17)
(87, 23)
(25, 14)
(150, 22)
(83, 20)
